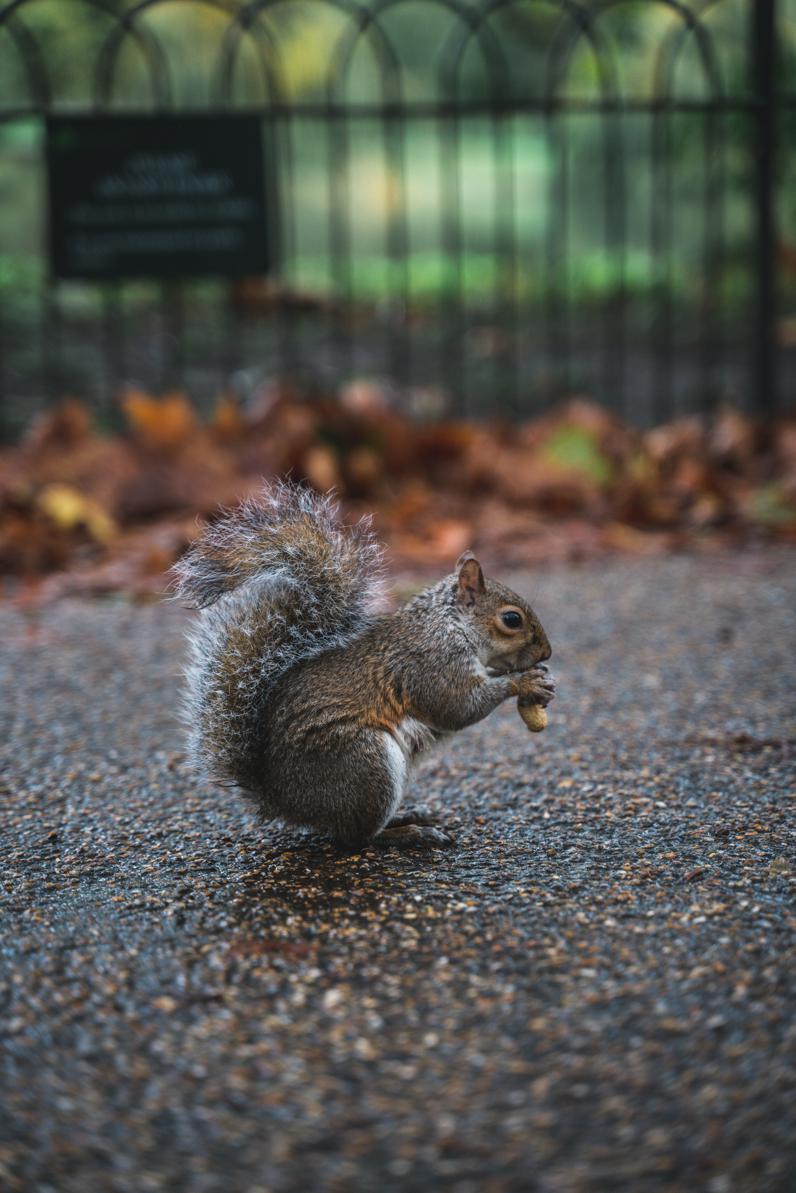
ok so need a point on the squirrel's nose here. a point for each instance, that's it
(545, 653)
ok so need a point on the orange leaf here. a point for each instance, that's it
(227, 421)
(159, 424)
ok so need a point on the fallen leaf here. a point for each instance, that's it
(159, 424)
(70, 510)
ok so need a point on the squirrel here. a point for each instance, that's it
(307, 697)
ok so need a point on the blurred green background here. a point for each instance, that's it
(541, 227)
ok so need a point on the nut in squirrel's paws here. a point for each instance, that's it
(534, 716)
(535, 689)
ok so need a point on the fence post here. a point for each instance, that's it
(764, 90)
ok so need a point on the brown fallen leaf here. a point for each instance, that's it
(66, 425)
(319, 466)
(159, 424)
(227, 422)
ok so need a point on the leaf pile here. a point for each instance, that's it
(113, 511)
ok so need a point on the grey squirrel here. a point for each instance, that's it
(313, 702)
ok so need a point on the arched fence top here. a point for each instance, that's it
(260, 26)
(464, 19)
(34, 56)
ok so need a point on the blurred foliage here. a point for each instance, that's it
(575, 447)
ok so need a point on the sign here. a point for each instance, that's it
(157, 196)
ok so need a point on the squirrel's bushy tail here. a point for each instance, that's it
(277, 580)
(286, 538)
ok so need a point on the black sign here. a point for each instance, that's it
(157, 196)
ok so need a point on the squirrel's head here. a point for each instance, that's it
(510, 634)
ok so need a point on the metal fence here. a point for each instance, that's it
(484, 205)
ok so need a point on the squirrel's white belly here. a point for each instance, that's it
(398, 766)
(413, 737)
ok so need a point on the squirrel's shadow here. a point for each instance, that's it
(308, 878)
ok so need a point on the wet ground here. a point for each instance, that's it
(594, 990)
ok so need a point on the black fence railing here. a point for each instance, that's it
(483, 205)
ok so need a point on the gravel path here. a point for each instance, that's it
(594, 990)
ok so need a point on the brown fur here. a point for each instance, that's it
(324, 735)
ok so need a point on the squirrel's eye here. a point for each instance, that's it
(511, 620)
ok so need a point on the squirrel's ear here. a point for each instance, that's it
(471, 578)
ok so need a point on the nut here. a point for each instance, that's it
(534, 716)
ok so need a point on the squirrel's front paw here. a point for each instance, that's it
(536, 686)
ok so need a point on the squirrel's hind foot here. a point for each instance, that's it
(417, 815)
(413, 836)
